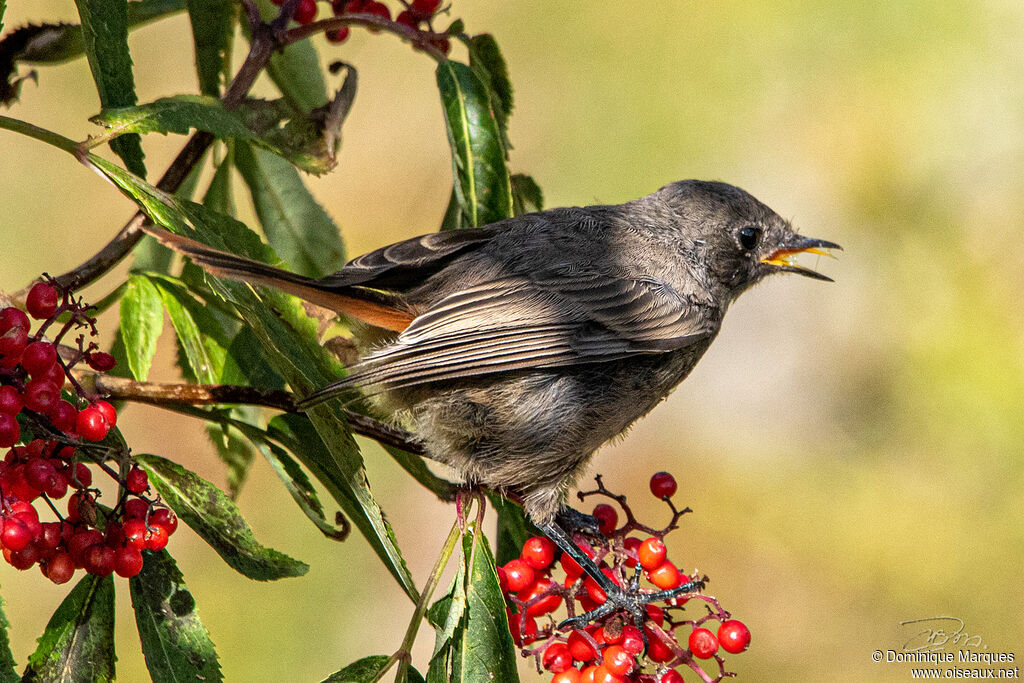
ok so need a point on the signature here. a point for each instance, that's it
(935, 633)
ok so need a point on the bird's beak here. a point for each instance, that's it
(782, 258)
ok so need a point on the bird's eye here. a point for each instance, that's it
(749, 237)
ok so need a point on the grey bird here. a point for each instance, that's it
(515, 350)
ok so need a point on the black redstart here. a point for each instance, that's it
(518, 348)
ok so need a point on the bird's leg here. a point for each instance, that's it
(572, 521)
(631, 600)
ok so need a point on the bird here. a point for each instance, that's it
(514, 350)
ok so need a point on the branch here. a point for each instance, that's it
(169, 394)
(421, 39)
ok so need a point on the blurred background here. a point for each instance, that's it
(852, 451)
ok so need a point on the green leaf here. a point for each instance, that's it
(105, 32)
(289, 340)
(301, 138)
(526, 195)
(513, 527)
(215, 517)
(218, 194)
(245, 363)
(175, 643)
(482, 183)
(3, 6)
(200, 335)
(453, 217)
(365, 670)
(485, 56)
(297, 227)
(8, 672)
(142, 319)
(296, 69)
(78, 643)
(212, 29)
(483, 649)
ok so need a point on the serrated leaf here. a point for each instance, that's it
(245, 363)
(78, 643)
(142, 320)
(513, 527)
(296, 69)
(8, 673)
(289, 340)
(105, 34)
(482, 183)
(212, 29)
(298, 137)
(486, 57)
(176, 645)
(215, 517)
(218, 193)
(364, 670)
(297, 227)
(483, 649)
(200, 335)
(526, 195)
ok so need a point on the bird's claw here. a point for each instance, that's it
(631, 601)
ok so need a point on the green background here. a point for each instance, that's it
(853, 451)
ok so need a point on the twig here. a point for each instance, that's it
(169, 394)
(421, 39)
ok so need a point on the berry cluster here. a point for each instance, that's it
(64, 426)
(416, 15)
(614, 649)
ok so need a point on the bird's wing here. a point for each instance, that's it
(561, 317)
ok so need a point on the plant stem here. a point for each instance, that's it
(41, 134)
(421, 39)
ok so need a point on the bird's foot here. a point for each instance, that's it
(575, 522)
(631, 601)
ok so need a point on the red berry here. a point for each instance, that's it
(165, 518)
(81, 541)
(377, 8)
(16, 534)
(557, 658)
(107, 411)
(83, 476)
(355, 7)
(651, 553)
(338, 7)
(64, 416)
(136, 508)
(538, 552)
(702, 643)
(607, 518)
(655, 614)
(523, 632)
(136, 481)
(671, 676)
(127, 561)
(338, 35)
(632, 640)
(663, 485)
(41, 395)
(425, 7)
(38, 357)
(59, 568)
(13, 342)
(571, 675)
(41, 301)
(582, 649)
(665, 576)
(91, 425)
(544, 605)
(657, 650)
(40, 473)
(13, 317)
(50, 536)
(10, 431)
(734, 636)
(10, 400)
(617, 660)
(100, 361)
(407, 19)
(134, 531)
(24, 558)
(631, 545)
(156, 538)
(603, 675)
(442, 44)
(594, 590)
(519, 574)
(58, 487)
(306, 12)
(99, 559)
(56, 375)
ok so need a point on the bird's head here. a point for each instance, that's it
(736, 239)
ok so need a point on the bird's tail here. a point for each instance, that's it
(371, 306)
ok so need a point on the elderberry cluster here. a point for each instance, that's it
(613, 649)
(37, 390)
(416, 15)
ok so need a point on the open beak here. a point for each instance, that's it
(782, 258)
